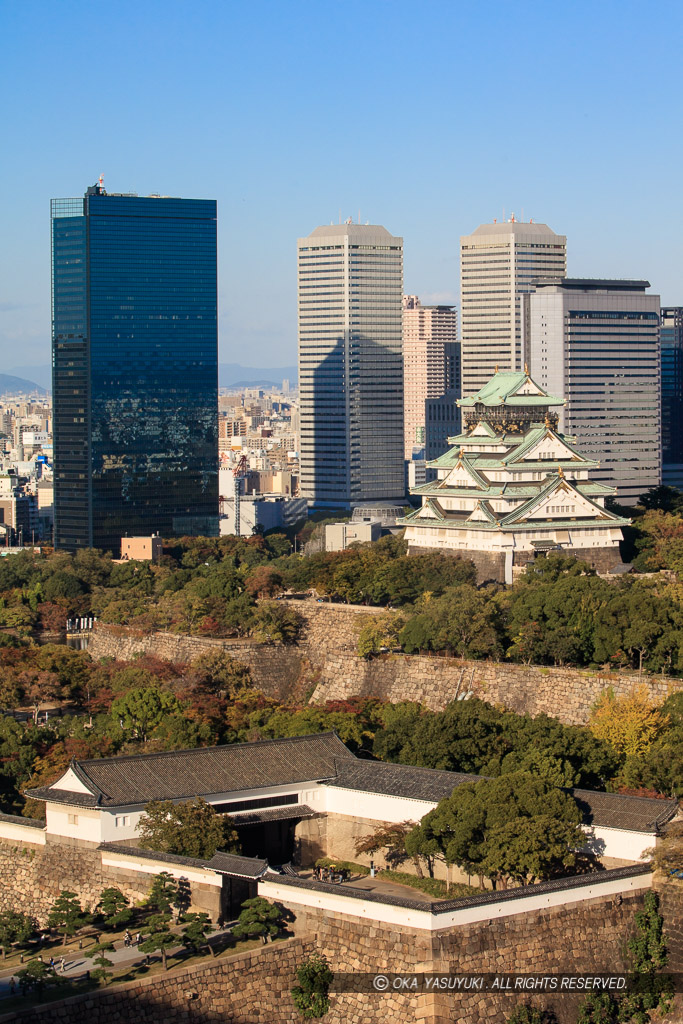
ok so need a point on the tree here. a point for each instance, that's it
(160, 937)
(67, 915)
(258, 917)
(36, 975)
(599, 1008)
(190, 829)
(311, 995)
(630, 723)
(101, 973)
(278, 621)
(162, 893)
(379, 632)
(526, 1015)
(264, 581)
(114, 907)
(513, 827)
(392, 838)
(197, 927)
(14, 927)
(141, 710)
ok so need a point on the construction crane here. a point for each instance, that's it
(239, 472)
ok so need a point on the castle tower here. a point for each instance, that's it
(512, 486)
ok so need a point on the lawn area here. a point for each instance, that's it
(432, 886)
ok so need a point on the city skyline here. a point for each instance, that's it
(252, 133)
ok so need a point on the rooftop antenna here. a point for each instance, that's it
(101, 182)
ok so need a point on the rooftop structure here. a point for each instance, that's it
(273, 789)
(512, 485)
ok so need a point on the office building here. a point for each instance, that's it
(595, 343)
(498, 264)
(431, 371)
(350, 289)
(671, 336)
(135, 368)
(513, 486)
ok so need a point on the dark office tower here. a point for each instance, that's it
(671, 336)
(135, 368)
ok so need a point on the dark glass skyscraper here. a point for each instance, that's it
(135, 368)
(671, 335)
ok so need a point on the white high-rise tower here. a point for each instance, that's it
(498, 264)
(350, 365)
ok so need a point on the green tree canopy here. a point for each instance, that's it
(191, 829)
(514, 827)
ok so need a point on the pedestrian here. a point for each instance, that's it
(52, 962)
(62, 965)
(127, 939)
(12, 985)
(138, 939)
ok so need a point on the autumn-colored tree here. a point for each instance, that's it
(630, 723)
(392, 839)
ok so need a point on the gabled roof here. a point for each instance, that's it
(557, 482)
(465, 464)
(483, 512)
(510, 388)
(533, 437)
(205, 771)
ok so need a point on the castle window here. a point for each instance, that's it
(122, 820)
(72, 819)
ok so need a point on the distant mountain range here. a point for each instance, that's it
(230, 375)
(10, 385)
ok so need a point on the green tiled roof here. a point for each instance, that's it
(502, 390)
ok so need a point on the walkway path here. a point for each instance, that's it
(77, 962)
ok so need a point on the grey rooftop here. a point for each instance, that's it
(204, 771)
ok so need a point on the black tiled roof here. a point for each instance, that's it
(232, 864)
(226, 863)
(62, 796)
(617, 810)
(607, 810)
(398, 780)
(205, 771)
(291, 812)
(17, 819)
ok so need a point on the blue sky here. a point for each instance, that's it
(430, 118)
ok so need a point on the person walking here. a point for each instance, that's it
(62, 965)
(127, 939)
(138, 939)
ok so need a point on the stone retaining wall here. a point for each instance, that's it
(325, 663)
(563, 693)
(250, 988)
(31, 877)
(276, 669)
